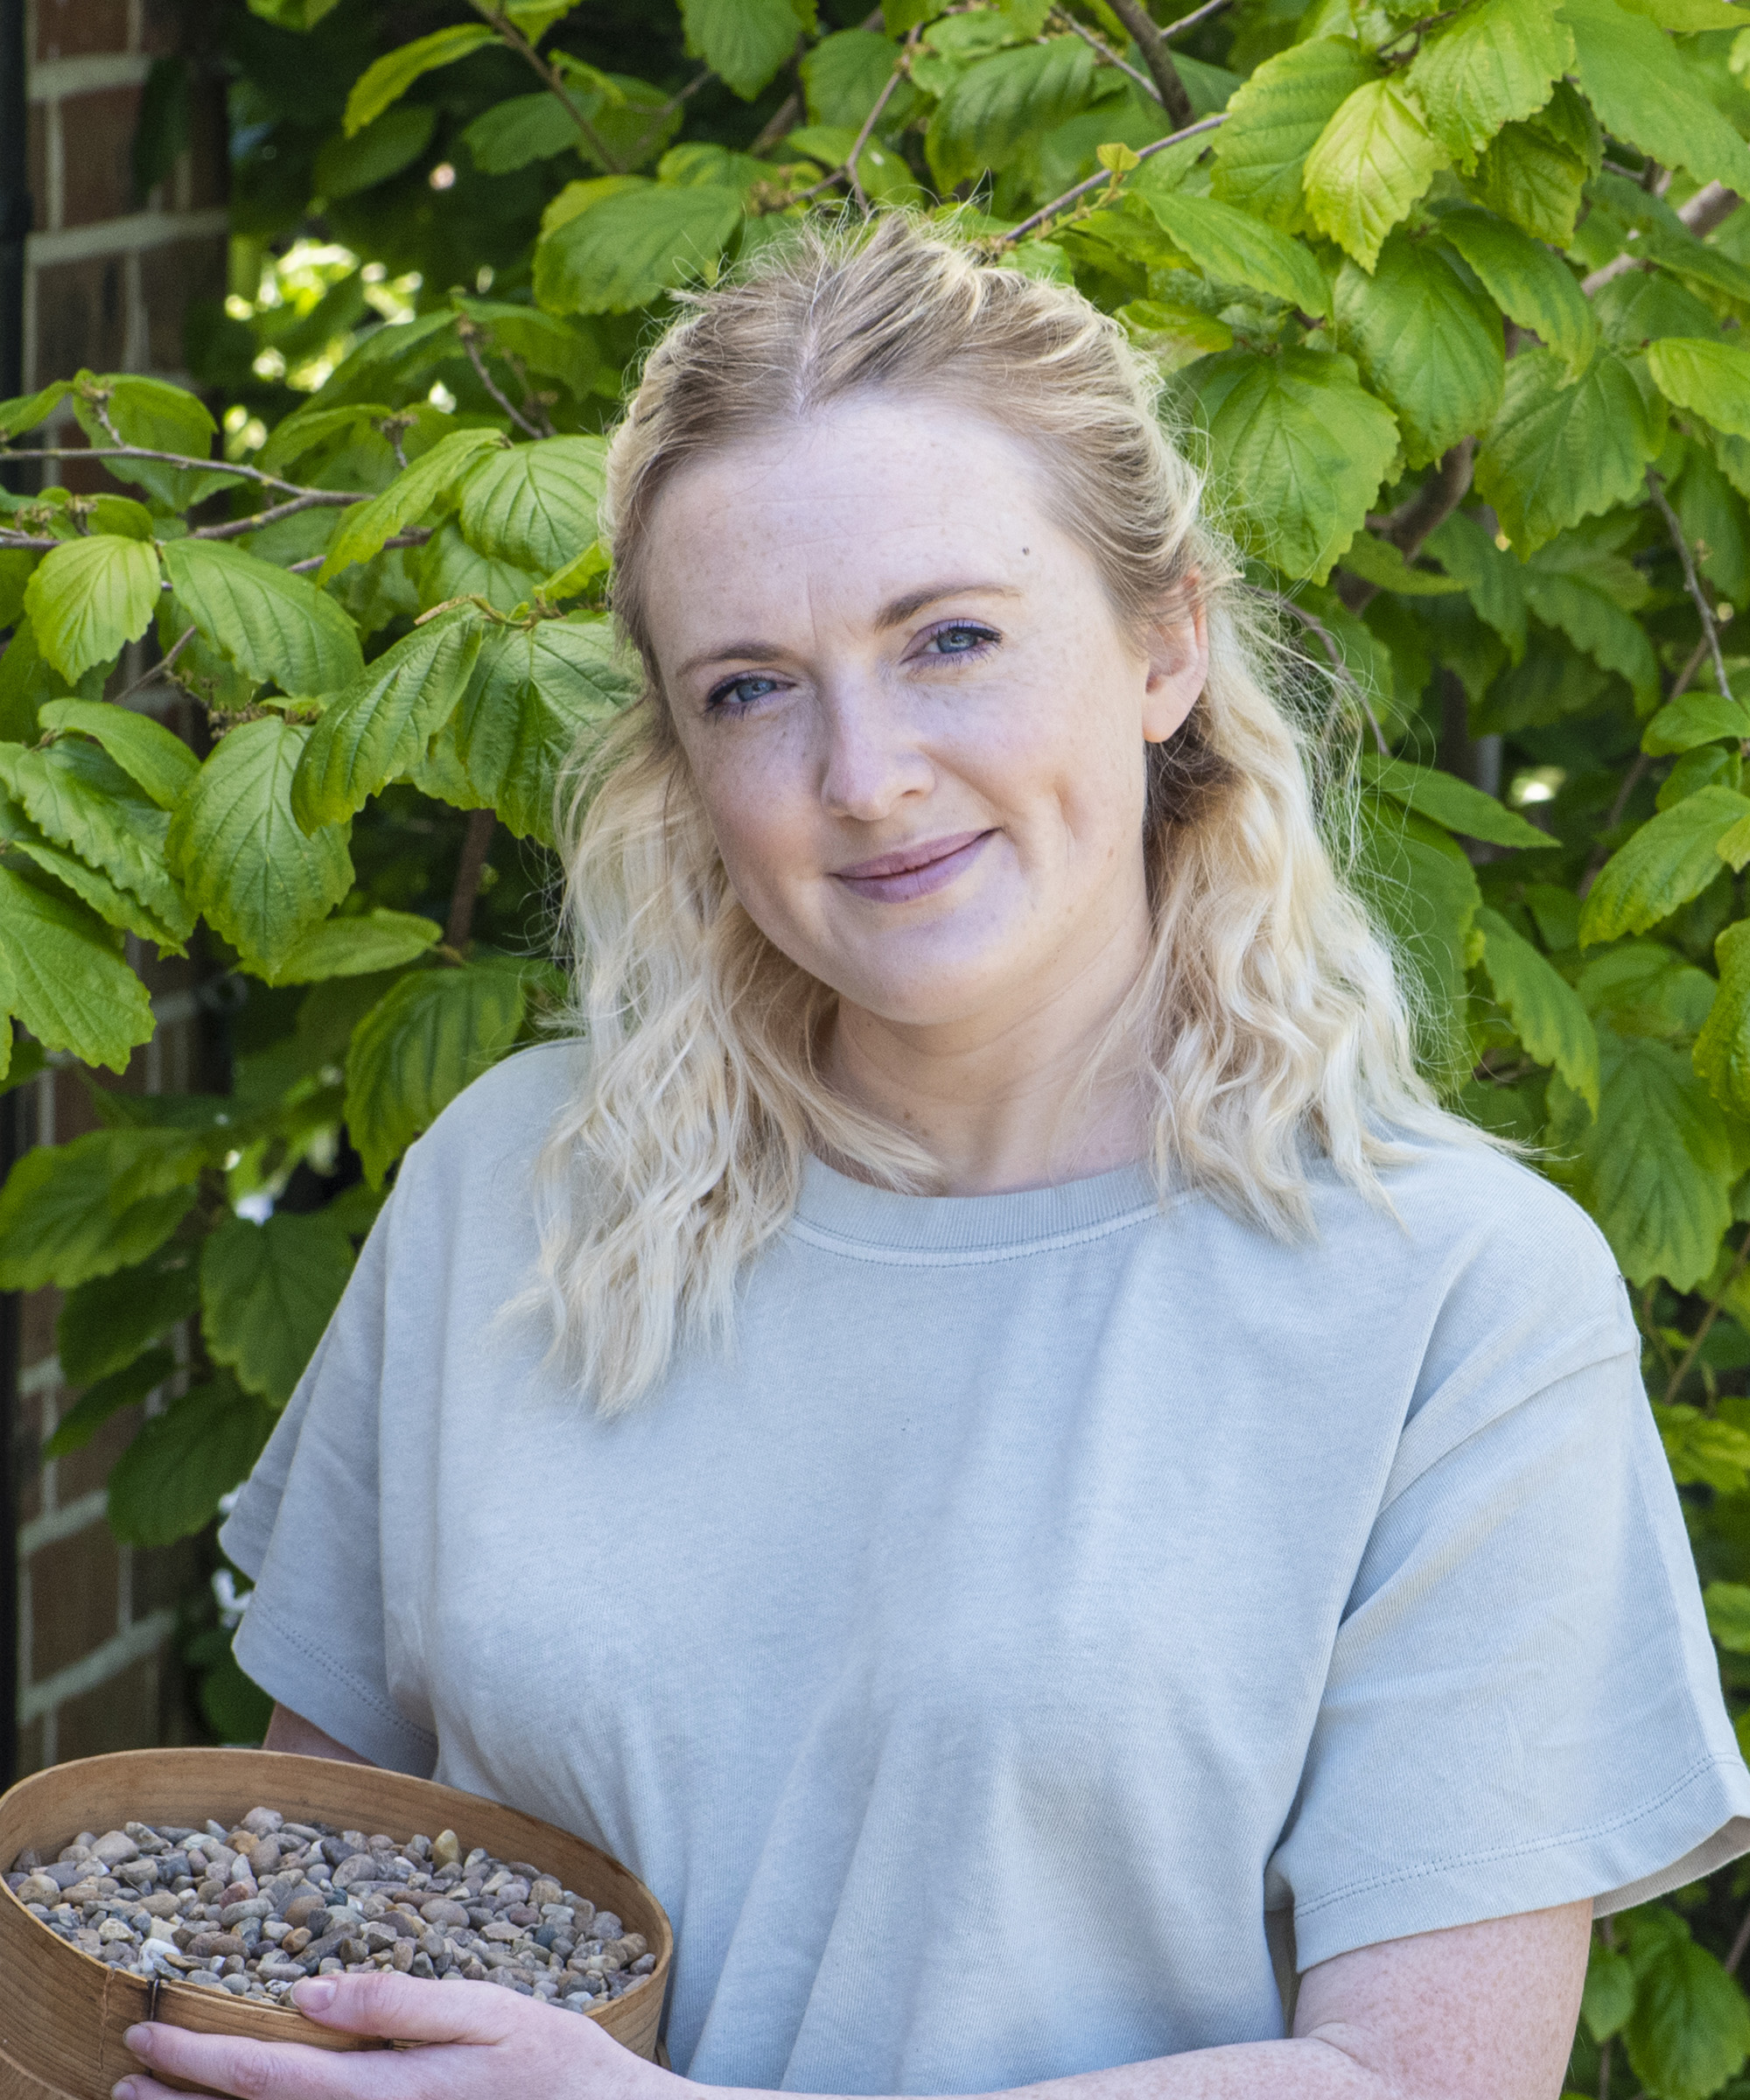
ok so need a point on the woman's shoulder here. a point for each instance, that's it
(502, 1119)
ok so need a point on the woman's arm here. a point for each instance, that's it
(290, 1731)
(1479, 2013)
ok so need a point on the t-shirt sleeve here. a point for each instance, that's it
(306, 1527)
(1524, 1705)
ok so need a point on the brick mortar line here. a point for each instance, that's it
(143, 1638)
(131, 235)
(53, 80)
(54, 1525)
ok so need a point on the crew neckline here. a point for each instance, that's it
(833, 1207)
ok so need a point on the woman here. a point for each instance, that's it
(1039, 1488)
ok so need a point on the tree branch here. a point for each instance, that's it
(160, 669)
(1692, 583)
(1424, 515)
(476, 841)
(1633, 777)
(468, 331)
(511, 35)
(416, 536)
(1197, 15)
(1677, 1378)
(1159, 60)
(1094, 182)
(1711, 204)
(234, 528)
(1111, 56)
(141, 451)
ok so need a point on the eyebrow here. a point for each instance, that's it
(893, 615)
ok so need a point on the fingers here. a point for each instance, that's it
(259, 2070)
(406, 2008)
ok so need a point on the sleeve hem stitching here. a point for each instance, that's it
(379, 1706)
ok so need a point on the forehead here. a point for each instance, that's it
(852, 503)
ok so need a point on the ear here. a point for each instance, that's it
(1178, 669)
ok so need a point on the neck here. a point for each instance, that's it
(999, 1097)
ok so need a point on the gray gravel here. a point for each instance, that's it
(252, 1909)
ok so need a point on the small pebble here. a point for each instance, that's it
(251, 1908)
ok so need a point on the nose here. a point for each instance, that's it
(874, 759)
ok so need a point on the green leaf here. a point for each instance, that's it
(1494, 580)
(160, 417)
(104, 1325)
(533, 695)
(1694, 718)
(843, 75)
(1689, 2031)
(115, 906)
(1236, 248)
(1728, 1615)
(1559, 451)
(624, 249)
(1722, 1050)
(418, 1046)
(542, 342)
(1451, 803)
(145, 750)
(744, 42)
(1421, 891)
(26, 411)
(1373, 161)
(389, 77)
(1276, 120)
(1593, 621)
(1656, 1167)
(993, 110)
(1533, 180)
(109, 1397)
(241, 856)
(1544, 1009)
(1489, 67)
(415, 491)
(88, 597)
(513, 134)
(1643, 93)
(377, 728)
(1531, 285)
(1306, 449)
(1377, 562)
(449, 569)
(1425, 344)
(359, 161)
(167, 1484)
(274, 624)
(266, 1294)
(1686, 15)
(1710, 380)
(1702, 1449)
(61, 1222)
(300, 434)
(1609, 1996)
(71, 989)
(359, 945)
(80, 797)
(1672, 857)
(535, 505)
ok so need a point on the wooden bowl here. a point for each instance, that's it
(63, 2013)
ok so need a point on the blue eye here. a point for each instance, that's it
(740, 692)
(961, 640)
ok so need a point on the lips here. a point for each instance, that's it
(914, 870)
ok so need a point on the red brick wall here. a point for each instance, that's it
(109, 277)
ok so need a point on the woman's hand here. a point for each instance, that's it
(484, 2043)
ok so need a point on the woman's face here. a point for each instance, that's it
(916, 724)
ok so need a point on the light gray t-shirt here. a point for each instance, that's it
(1058, 1607)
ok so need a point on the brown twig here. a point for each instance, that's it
(1197, 15)
(1740, 1943)
(160, 669)
(512, 36)
(142, 452)
(475, 843)
(468, 331)
(665, 112)
(1692, 581)
(234, 528)
(532, 399)
(1345, 677)
(416, 536)
(1678, 1377)
(1111, 56)
(901, 66)
(1159, 60)
(1094, 182)
(1636, 774)
(1422, 516)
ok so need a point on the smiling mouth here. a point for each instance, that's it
(914, 871)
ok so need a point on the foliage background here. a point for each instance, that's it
(1451, 298)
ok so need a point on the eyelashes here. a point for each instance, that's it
(954, 641)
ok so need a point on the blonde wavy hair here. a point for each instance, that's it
(1268, 1023)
